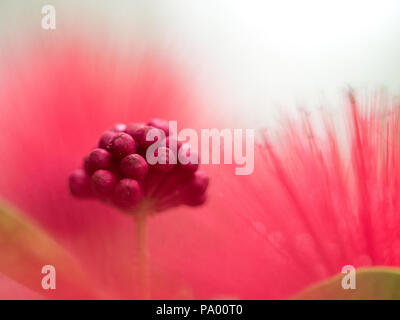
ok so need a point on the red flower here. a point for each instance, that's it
(315, 203)
(55, 103)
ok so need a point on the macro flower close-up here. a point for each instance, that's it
(213, 151)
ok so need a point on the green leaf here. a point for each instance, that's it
(379, 283)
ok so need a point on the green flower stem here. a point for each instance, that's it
(142, 254)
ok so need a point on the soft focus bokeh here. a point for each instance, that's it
(206, 64)
(257, 56)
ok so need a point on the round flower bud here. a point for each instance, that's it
(140, 136)
(188, 160)
(102, 184)
(122, 145)
(198, 183)
(86, 164)
(106, 138)
(166, 159)
(133, 127)
(98, 159)
(160, 124)
(79, 184)
(173, 143)
(127, 193)
(134, 166)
